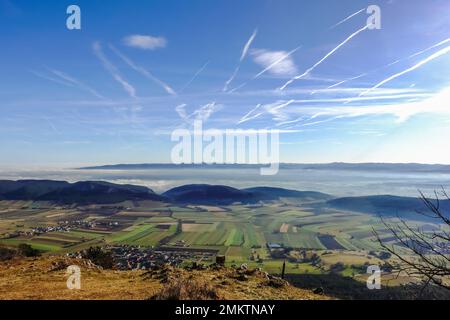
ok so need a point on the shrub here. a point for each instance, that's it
(27, 250)
(385, 255)
(337, 267)
(7, 254)
(187, 289)
(99, 257)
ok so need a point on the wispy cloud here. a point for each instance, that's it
(245, 132)
(302, 113)
(370, 98)
(301, 109)
(437, 104)
(181, 110)
(142, 71)
(76, 142)
(145, 42)
(324, 58)
(348, 18)
(275, 62)
(275, 108)
(271, 108)
(113, 70)
(203, 113)
(243, 55)
(269, 60)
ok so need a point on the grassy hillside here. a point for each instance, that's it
(45, 278)
(386, 205)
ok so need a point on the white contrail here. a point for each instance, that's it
(247, 117)
(142, 71)
(414, 67)
(418, 53)
(247, 45)
(43, 76)
(194, 76)
(52, 126)
(388, 65)
(243, 55)
(283, 104)
(324, 58)
(346, 80)
(395, 62)
(227, 83)
(77, 83)
(341, 82)
(113, 70)
(290, 121)
(238, 87)
(349, 17)
(429, 48)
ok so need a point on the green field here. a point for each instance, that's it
(145, 234)
(231, 226)
(240, 232)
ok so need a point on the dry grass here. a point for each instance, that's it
(198, 227)
(37, 279)
(187, 289)
(45, 278)
(284, 228)
(350, 258)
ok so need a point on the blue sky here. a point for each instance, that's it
(114, 91)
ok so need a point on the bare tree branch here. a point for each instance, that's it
(424, 255)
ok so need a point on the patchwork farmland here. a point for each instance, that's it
(243, 233)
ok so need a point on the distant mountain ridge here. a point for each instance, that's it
(386, 205)
(208, 194)
(395, 167)
(83, 192)
(100, 192)
(276, 193)
(223, 195)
